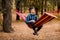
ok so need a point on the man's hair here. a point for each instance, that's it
(31, 9)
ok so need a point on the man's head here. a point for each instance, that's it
(32, 10)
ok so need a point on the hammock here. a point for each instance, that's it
(46, 17)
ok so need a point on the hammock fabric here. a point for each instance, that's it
(42, 20)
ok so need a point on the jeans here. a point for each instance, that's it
(33, 27)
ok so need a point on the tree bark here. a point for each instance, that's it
(7, 17)
(58, 5)
(42, 8)
(17, 8)
(45, 5)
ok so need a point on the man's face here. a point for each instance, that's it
(33, 11)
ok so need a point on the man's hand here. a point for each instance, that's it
(32, 20)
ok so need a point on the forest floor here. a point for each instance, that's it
(49, 31)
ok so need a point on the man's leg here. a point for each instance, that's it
(33, 27)
(39, 27)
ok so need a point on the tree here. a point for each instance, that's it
(45, 1)
(0, 5)
(58, 5)
(17, 8)
(7, 17)
(42, 8)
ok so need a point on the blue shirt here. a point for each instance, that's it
(31, 17)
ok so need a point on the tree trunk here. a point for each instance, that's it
(59, 6)
(7, 17)
(42, 8)
(45, 5)
(18, 8)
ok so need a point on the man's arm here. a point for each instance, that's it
(36, 18)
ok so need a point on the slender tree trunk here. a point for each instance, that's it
(45, 5)
(18, 8)
(7, 17)
(42, 8)
(59, 6)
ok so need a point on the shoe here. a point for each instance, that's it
(35, 34)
